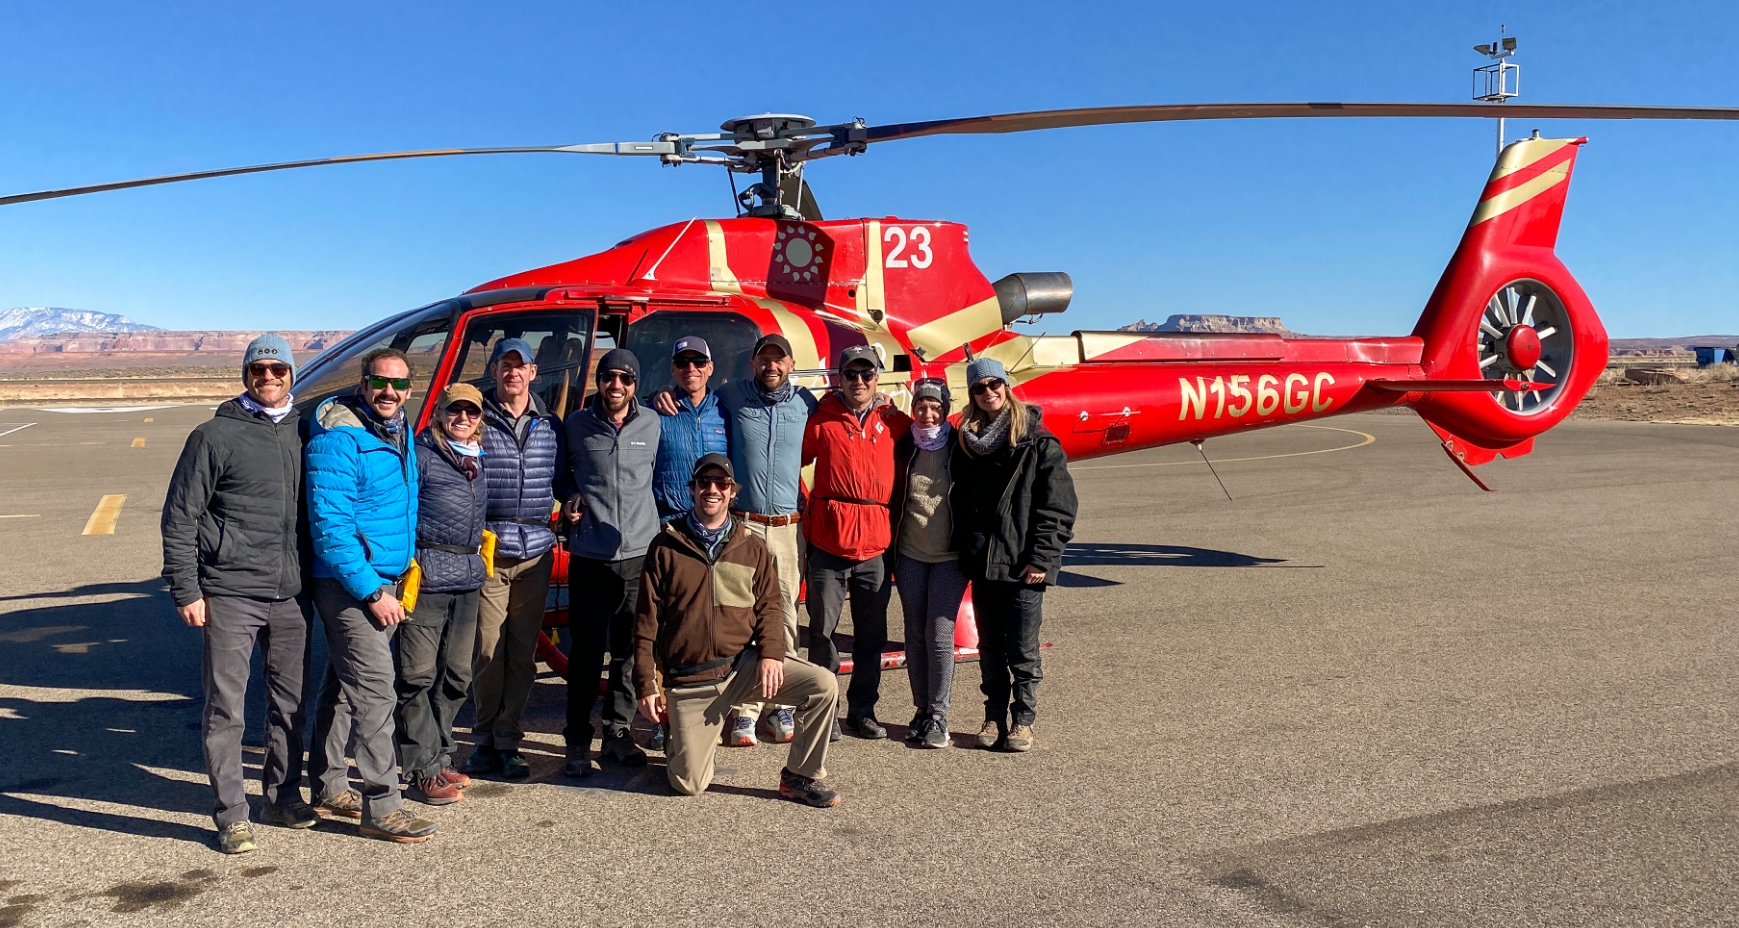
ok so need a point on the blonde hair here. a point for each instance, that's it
(973, 419)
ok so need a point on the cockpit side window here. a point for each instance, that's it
(730, 336)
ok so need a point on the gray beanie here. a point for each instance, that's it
(933, 389)
(983, 368)
(268, 347)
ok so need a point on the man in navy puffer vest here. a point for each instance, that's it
(522, 446)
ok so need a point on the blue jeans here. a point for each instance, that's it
(930, 596)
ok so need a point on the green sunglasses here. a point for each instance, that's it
(376, 382)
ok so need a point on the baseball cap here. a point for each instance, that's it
(775, 339)
(714, 459)
(692, 343)
(269, 347)
(864, 353)
(461, 393)
(513, 344)
(985, 368)
(620, 359)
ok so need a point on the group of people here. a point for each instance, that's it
(689, 535)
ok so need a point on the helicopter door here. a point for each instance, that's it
(559, 337)
(730, 336)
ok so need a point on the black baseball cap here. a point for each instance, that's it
(775, 339)
(691, 343)
(714, 459)
(865, 353)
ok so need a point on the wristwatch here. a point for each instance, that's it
(374, 597)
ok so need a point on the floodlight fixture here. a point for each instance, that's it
(1509, 43)
(1502, 79)
(1482, 49)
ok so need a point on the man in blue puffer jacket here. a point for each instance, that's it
(362, 515)
(696, 428)
(522, 445)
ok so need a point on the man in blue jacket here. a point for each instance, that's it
(362, 516)
(522, 453)
(696, 428)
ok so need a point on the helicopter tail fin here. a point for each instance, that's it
(1506, 309)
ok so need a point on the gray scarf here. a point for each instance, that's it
(709, 538)
(992, 436)
(774, 397)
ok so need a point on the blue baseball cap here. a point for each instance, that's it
(269, 347)
(519, 345)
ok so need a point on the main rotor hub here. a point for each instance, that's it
(767, 126)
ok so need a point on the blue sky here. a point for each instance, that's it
(1338, 226)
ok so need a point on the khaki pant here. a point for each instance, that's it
(509, 618)
(696, 716)
(784, 542)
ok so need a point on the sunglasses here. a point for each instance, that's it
(691, 361)
(979, 389)
(275, 370)
(376, 382)
(627, 380)
(722, 483)
(460, 409)
(865, 374)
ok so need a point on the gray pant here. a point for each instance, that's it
(233, 624)
(435, 645)
(831, 577)
(362, 668)
(930, 596)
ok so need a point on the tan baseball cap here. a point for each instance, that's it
(461, 393)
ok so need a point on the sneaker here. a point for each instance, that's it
(294, 814)
(936, 734)
(1020, 738)
(236, 839)
(915, 730)
(400, 827)
(619, 747)
(780, 726)
(835, 736)
(866, 728)
(660, 734)
(514, 766)
(455, 777)
(740, 733)
(579, 762)
(433, 791)
(483, 762)
(810, 792)
(989, 735)
(347, 804)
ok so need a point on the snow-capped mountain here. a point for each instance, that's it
(26, 321)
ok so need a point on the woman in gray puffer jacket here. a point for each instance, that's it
(436, 640)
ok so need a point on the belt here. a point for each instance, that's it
(774, 521)
(450, 549)
(534, 523)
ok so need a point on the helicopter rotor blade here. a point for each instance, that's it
(598, 148)
(1115, 115)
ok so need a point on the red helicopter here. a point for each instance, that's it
(1505, 348)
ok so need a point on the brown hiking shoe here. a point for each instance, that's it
(347, 804)
(989, 735)
(433, 791)
(455, 777)
(400, 827)
(1020, 738)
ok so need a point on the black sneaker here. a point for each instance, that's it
(915, 731)
(936, 734)
(514, 766)
(619, 747)
(579, 762)
(483, 762)
(866, 728)
(835, 736)
(810, 792)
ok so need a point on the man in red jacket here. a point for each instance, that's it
(850, 439)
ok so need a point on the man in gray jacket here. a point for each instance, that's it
(232, 556)
(612, 451)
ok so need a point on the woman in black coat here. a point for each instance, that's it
(437, 639)
(1014, 513)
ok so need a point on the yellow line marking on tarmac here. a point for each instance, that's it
(138, 442)
(149, 419)
(102, 520)
(1368, 439)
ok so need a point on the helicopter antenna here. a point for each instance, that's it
(1502, 79)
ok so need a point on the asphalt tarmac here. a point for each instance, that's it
(1361, 693)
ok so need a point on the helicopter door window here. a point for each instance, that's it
(558, 338)
(422, 336)
(730, 336)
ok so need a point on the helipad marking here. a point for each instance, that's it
(150, 419)
(33, 516)
(138, 442)
(1369, 438)
(86, 410)
(16, 429)
(103, 518)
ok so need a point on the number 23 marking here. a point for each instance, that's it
(920, 241)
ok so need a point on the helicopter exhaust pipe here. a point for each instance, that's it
(1033, 294)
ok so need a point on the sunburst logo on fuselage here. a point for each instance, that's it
(798, 255)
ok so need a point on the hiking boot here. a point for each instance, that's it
(835, 736)
(579, 762)
(619, 747)
(915, 731)
(740, 733)
(293, 814)
(866, 728)
(455, 777)
(936, 734)
(347, 804)
(483, 762)
(810, 792)
(990, 735)
(1020, 738)
(780, 726)
(400, 827)
(514, 766)
(660, 734)
(433, 791)
(236, 839)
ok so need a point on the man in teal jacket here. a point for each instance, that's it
(362, 515)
